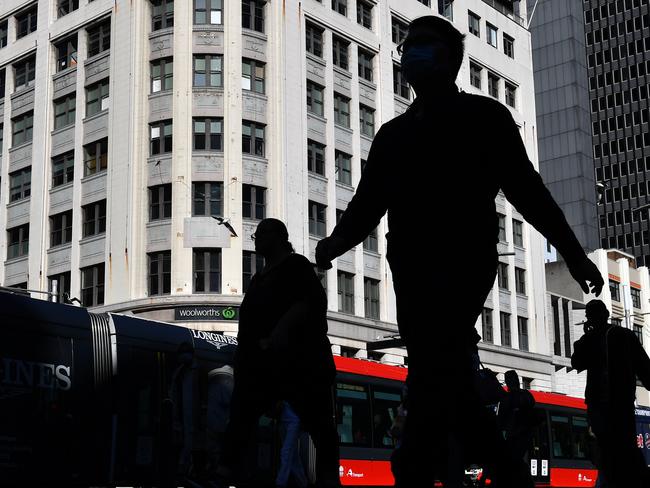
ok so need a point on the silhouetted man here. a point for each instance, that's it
(516, 418)
(437, 170)
(613, 358)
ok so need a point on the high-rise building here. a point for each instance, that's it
(591, 62)
(127, 125)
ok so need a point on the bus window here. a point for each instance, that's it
(561, 436)
(354, 415)
(384, 408)
(580, 436)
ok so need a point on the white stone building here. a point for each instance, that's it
(125, 125)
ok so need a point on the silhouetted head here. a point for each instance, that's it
(597, 314)
(432, 54)
(512, 380)
(272, 237)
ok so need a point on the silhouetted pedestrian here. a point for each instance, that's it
(441, 165)
(516, 421)
(613, 358)
(290, 463)
(283, 352)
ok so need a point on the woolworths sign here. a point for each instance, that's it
(197, 313)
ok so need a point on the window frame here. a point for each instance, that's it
(257, 83)
(256, 15)
(20, 246)
(99, 158)
(93, 219)
(96, 93)
(24, 73)
(61, 228)
(371, 298)
(207, 270)
(96, 288)
(345, 292)
(20, 184)
(365, 64)
(165, 75)
(209, 71)
(341, 110)
(65, 174)
(203, 194)
(159, 271)
(65, 110)
(25, 131)
(343, 167)
(506, 329)
(317, 226)
(99, 34)
(253, 202)
(160, 202)
(164, 142)
(252, 143)
(314, 163)
(474, 23)
(163, 19)
(212, 6)
(28, 17)
(210, 138)
(69, 57)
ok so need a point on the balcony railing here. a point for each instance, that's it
(506, 10)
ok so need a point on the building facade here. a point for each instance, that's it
(127, 125)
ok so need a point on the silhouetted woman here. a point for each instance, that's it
(283, 352)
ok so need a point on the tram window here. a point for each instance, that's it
(580, 436)
(561, 435)
(353, 415)
(384, 407)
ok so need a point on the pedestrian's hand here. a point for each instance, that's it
(588, 276)
(328, 249)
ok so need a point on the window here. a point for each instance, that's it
(446, 9)
(162, 74)
(252, 263)
(22, 128)
(343, 167)
(314, 39)
(371, 298)
(522, 327)
(614, 289)
(161, 137)
(4, 30)
(518, 233)
(340, 52)
(26, 22)
(20, 184)
(475, 75)
(208, 12)
(341, 110)
(570, 436)
(353, 427)
(24, 72)
(314, 98)
(502, 227)
(491, 32)
(346, 292)
(62, 281)
(95, 157)
(253, 202)
(508, 46)
(502, 275)
(94, 218)
(162, 14)
(511, 92)
(62, 169)
(66, 53)
(99, 38)
(160, 273)
(370, 243)
(425, 2)
(252, 15)
(636, 297)
(64, 111)
(207, 198)
(399, 30)
(253, 138)
(367, 120)
(208, 134)
(493, 85)
(474, 24)
(206, 264)
(317, 219)
(322, 277)
(61, 228)
(208, 70)
(97, 97)
(160, 202)
(92, 285)
(316, 157)
(1, 136)
(506, 339)
(520, 280)
(638, 331)
(66, 6)
(400, 85)
(18, 241)
(486, 319)
(252, 77)
(3, 83)
(364, 14)
(365, 62)
(340, 6)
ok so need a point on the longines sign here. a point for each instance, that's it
(196, 313)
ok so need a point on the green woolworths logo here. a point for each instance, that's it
(228, 313)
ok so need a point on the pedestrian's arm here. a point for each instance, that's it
(524, 188)
(370, 200)
(641, 362)
(581, 357)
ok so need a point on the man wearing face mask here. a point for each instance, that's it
(452, 152)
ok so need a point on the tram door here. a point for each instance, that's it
(539, 453)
